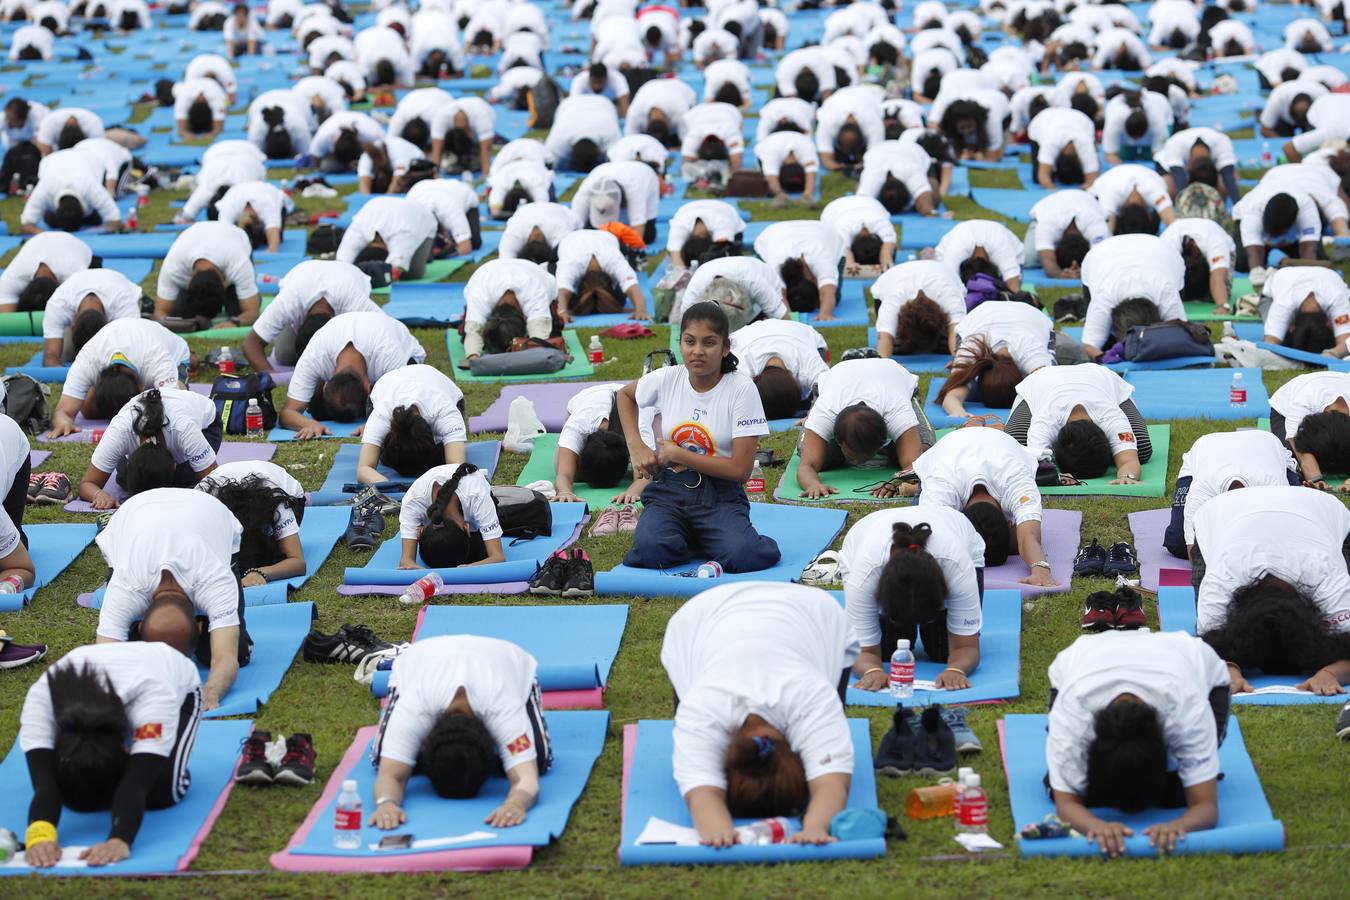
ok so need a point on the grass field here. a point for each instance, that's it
(1304, 768)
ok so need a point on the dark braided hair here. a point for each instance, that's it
(443, 544)
(150, 465)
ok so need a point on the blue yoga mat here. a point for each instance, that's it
(651, 792)
(338, 429)
(997, 678)
(851, 308)
(427, 305)
(1245, 824)
(575, 646)
(1154, 365)
(150, 244)
(1038, 278)
(1256, 332)
(918, 232)
(801, 532)
(1197, 393)
(522, 557)
(35, 370)
(1176, 612)
(924, 362)
(52, 548)
(277, 632)
(577, 738)
(1015, 204)
(167, 837)
(136, 270)
(483, 454)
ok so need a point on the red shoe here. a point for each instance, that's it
(297, 766)
(1129, 610)
(1099, 614)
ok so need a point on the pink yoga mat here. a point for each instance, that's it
(550, 404)
(1148, 528)
(630, 735)
(477, 860)
(1060, 529)
(230, 451)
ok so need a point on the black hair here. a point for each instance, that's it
(256, 232)
(443, 544)
(1127, 757)
(716, 318)
(384, 73)
(70, 135)
(1085, 103)
(792, 177)
(1135, 218)
(1068, 168)
(803, 295)
(513, 198)
(861, 428)
(1039, 104)
(1136, 123)
(1270, 625)
(199, 116)
(713, 148)
(459, 142)
(254, 502)
(1071, 51)
(787, 125)
(1289, 74)
(150, 465)
(504, 324)
(128, 21)
(585, 155)
(1195, 279)
(932, 83)
(1310, 332)
(732, 28)
(342, 398)
(911, 587)
(1177, 39)
(313, 321)
(654, 36)
(1280, 214)
(85, 326)
(92, 729)
(885, 54)
(539, 251)
(779, 392)
(347, 146)
(1133, 312)
(36, 293)
(894, 195)
(458, 755)
(695, 248)
(1072, 247)
(1126, 61)
(603, 460)
(115, 387)
(410, 446)
(993, 527)
(431, 66)
(1203, 171)
(1232, 47)
(1082, 449)
(660, 130)
(205, 293)
(1300, 119)
(1326, 435)
(417, 132)
(729, 93)
(30, 52)
(856, 139)
(20, 108)
(977, 265)
(867, 249)
(965, 109)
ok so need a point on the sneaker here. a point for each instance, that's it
(34, 485)
(1343, 723)
(966, 741)
(628, 518)
(13, 655)
(895, 756)
(1129, 610)
(606, 523)
(55, 488)
(1091, 560)
(254, 766)
(369, 496)
(365, 524)
(297, 766)
(549, 578)
(102, 519)
(1121, 559)
(860, 353)
(934, 744)
(1099, 613)
(579, 580)
(350, 644)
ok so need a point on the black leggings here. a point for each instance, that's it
(16, 501)
(1019, 421)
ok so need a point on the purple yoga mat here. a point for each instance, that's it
(230, 451)
(550, 404)
(38, 457)
(1147, 528)
(82, 422)
(395, 590)
(1059, 537)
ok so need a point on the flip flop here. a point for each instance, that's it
(824, 569)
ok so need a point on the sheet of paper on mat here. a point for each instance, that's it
(1280, 689)
(70, 858)
(976, 843)
(659, 831)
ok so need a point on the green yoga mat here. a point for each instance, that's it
(1154, 474)
(21, 324)
(437, 270)
(220, 334)
(579, 367)
(539, 467)
(1203, 310)
(848, 480)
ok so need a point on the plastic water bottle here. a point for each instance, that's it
(11, 584)
(142, 194)
(594, 352)
(91, 435)
(253, 418)
(347, 821)
(974, 815)
(226, 361)
(422, 589)
(133, 219)
(962, 774)
(754, 485)
(902, 670)
(766, 831)
(710, 569)
(1266, 157)
(9, 845)
(1237, 392)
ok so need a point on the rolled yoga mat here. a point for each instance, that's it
(579, 367)
(1255, 332)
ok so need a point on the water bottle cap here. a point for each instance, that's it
(963, 772)
(349, 784)
(1237, 376)
(973, 780)
(902, 644)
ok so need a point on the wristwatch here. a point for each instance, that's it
(1041, 564)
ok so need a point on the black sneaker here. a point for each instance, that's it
(297, 766)
(934, 744)
(860, 353)
(1343, 723)
(550, 578)
(896, 754)
(1121, 559)
(253, 765)
(1099, 613)
(351, 644)
(364, 526)
(580, 577)
(1091, 560)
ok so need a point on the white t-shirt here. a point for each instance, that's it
(1055, 128)
(479, 117)
(859, 104)
(784, 109)
(401, 153)
(1021, 329)
(449, 201)
(54, 122)
(554, 221)
(188, 92)
(772, 150)
(756, 648)
(31, 36)
(898, 285)
(1052, 394)
(436, 397)
(297, 116)
(385, 342)
(272, 475)
(1288, 288)
(797, 344)
(641, 148)
(1273, 63)
(703, 423)
(907, 163)
(969, 457)
(120, 297)
(792, 64)
(25, 132)
(1306, 395)
(83, 185)
(152, 680)
(1114, 186)
(882, 385)
(497, 677)
(585, 116)
(1251, 458)
(13, 454)
(1250, 210)
(639, 183)
(329, 93)
(343, 285)
(1172, 672)
(1292, 533)
(325, 137)
(379, 43)
(1319, 182)
(223, 245)
(1054, 214)
(851, 214)
(1209, 237)
(152, 351)
(992, 101)
(473, 491)
(189, 534)
(670, 95)
(817, 243)
(63, 253)
(420, 103)
(588, 408)
(723, 221)
(403, 224)
(1156, 108)
(720, 120)
(98, 153)
(188, 414)
(715, 76)
(1176, 150)
(578, 249)
(533, 287)
(1003, 248)
(266, 200)
(760, 281)
(1130, 266)
(1281, 97)
(957, 547)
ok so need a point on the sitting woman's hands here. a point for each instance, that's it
(717, 838)
(388, 816)
(875, 680)
(506, 816)
(1322, 683)
(645, 463)
(813, 837)
(952, 680)
(103, 500)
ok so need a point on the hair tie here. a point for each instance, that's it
(915, 547)
(763, 747)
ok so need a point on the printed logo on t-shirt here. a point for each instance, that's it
(1216, 260)
(1023, 500)
(1342, 320)
(519, 745)
(694, 438)
(1126, 436)
(150, 732)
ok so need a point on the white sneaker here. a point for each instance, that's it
(522, 426)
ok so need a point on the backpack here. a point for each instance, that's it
(22, 160)
(232, 392)
(523, 513)
(26, 403)
(1167, 340)
(323, 240)
(542, 101)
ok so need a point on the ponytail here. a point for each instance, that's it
(912, 588)
(443, 545)
(150, 420)
(998, 375)
(150, 465)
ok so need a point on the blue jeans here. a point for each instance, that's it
(689, 516)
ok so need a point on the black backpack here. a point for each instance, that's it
(523, 513)
(232, 392)
(26, 403)
(543, 102)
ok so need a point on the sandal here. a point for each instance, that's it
(824, 569)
